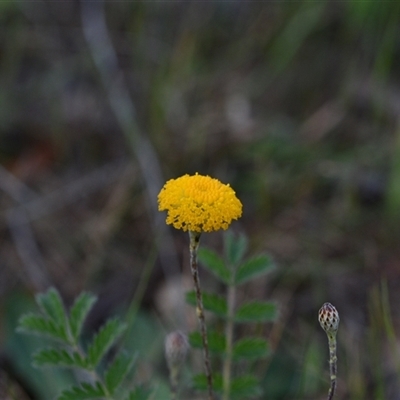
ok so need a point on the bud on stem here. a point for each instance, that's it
(328, 318)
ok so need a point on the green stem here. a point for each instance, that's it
(332, 363)
(227, 367)
(194, 245)
(173, 380)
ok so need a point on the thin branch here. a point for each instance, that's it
(113, 80)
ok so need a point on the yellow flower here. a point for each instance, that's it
(199, 203)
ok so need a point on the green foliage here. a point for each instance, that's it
(216, 341)
(79, 311)
(83, 392)
(234, 270)
(251, 348)
(253, 268)
(215, 264)
(212, 302)
(65, 328)
(256, 311)
(103, 341)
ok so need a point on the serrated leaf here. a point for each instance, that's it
(52, 306)
(234, 248)
(256, 311)
(139, 393)
(79, 311)
(84, 392)
(216, 341)
(117, 371)
(59, 358)
(215, 264)
(104, 339)
(245, 387)
(39, 325)
(200, 382)
(251, 348)
(252, 268)
(211, 302)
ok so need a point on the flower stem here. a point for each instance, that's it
(227, 367)
(194, 245)
(332, 363)
(173, 379)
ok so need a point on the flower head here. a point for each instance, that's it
(199, 203)
(328, 318)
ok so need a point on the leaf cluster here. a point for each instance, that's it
(234, 270)
(65, 329)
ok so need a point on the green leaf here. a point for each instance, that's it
(256, 311)
(139, 393)
(211, 302)
(252, 268)
(234, 248)
(39, 325)
(84, 392)
(216, 341)
(79, 311)
(200, 382)
(59, 358)
(251, 348)
(104, 339)
(215, 264)
(52, 306)
(245, 387)
(118, 370)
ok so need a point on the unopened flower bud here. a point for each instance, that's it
(328, 318)
(176, 349)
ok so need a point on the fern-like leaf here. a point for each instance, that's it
(79, 311)
(104, 339)
(252, 268)
(216, 341)
(39, 325)
(59, 358)
(234, 248)
(84, 392)
(52, 306)
(139, 393)
(256, 311)
(251, 348)
(211, 302)
(215, 264)
(118, 370)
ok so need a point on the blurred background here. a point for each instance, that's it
(296, 104)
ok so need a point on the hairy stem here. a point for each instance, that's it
(173, 380)
(227, 367)
(332, 364)
(194, 245)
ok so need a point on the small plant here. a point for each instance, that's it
(199, 204)
(328, 318)
(103, 380)
(234, 270)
